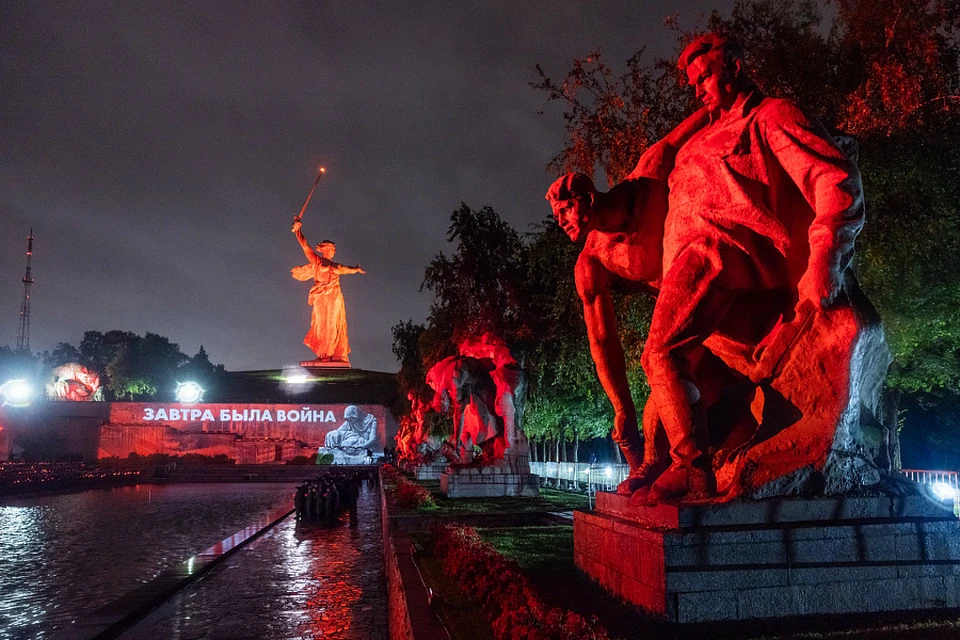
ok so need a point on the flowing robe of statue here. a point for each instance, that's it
(327, 336)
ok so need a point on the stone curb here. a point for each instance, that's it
(408, 600)
(111, 620)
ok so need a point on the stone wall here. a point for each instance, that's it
(397, 610)
(408, 603)
(763, 559)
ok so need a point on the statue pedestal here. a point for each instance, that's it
(431, 471)
(488, 482)
(772, 558)
(324, 364)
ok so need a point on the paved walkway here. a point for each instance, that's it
(298, 580)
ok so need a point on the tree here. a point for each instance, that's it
(63, 353)
(146, 367)
(199, 369)
(477, 288)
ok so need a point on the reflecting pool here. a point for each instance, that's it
(65, 556)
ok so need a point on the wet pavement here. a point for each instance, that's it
(64, 557)
(298, 580)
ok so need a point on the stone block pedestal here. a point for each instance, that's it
(772, 558)
(429, 471)
(492, 482)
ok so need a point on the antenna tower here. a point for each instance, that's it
(23, 333)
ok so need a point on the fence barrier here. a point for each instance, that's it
(582, 475)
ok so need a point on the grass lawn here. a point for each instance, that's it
(549, 500)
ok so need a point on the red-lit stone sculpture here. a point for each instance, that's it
(763, 356)
(76, 383)
(414, 442)
(485, 390)
(327, 336)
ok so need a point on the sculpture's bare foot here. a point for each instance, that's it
(642, 476)
(640, 497)
(682, 482)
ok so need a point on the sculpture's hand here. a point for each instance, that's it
(296, 225)
(819, 285)
(359, 270)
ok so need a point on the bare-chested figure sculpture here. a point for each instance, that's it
(742, 221)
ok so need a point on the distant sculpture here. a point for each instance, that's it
(762, 351)
(327, 336)
(463, 386)
(485, 390)
(76, 383)
(350, 442)
(511, 397)
(414, 441)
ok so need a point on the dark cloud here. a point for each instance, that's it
(160, 150)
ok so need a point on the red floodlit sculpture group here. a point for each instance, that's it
(763, 356)
(484, 389)
(74, 382)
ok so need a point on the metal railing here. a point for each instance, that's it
(582, 475)
(605, 477)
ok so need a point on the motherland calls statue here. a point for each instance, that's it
(763, 356)
(327, 336)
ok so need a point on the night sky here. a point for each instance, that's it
(160, 150)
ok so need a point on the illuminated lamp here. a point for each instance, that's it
(189, 392)
(943, 491)
(296, 378)
(608, 472)
(16, 392)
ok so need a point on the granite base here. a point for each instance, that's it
(488, 483)
(773, 558)
(429, 471)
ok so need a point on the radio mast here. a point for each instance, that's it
(23, 333)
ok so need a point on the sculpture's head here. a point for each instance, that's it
(352, 415)
(571, 198)
(715, 69)
(327, 249)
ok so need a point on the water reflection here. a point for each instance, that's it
(63, 557)
(299, 580)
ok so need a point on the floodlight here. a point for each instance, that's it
(608, 472)
(189, 392)
(296, 379)
(943, 491)
(16, 392)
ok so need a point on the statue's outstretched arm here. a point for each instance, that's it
(343, 269)
(297, 229)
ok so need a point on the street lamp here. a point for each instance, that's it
(189, 392)
(16, 393)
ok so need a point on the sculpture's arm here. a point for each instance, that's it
(307, 249)
(594, 286)
(830, 182)
(657, 161)
(343, 269)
